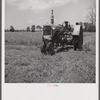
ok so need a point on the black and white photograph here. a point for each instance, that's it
(50, 41)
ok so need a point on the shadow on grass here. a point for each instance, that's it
(58, 50)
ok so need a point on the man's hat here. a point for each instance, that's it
(77, 23)
(66, 22)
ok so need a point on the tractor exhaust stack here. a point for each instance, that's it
(52, 17)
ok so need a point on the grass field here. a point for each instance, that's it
(24, 62)
(23, 38)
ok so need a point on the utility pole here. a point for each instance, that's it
(52, 17)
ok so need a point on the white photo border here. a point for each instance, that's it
(45, 91)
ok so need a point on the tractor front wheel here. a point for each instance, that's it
(43, 48)
(50, 48)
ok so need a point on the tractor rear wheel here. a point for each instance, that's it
(80, 42)
(75, 45)
(50, 48)
(76, 42)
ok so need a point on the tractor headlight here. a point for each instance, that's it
(53, 28)
(49, 38)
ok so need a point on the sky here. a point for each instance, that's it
(24, 13)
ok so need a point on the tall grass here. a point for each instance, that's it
(23, 38)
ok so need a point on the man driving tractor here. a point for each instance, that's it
(66, 27)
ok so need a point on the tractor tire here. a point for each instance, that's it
(50, 48)
(80, 41)
(43, 48)
(76, 45)
(76, 42)
(78, 37)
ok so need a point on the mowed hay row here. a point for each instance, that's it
(23, 38)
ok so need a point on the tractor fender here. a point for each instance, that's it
(76, 30)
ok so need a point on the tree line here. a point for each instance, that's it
(87, 27)
(33, 28)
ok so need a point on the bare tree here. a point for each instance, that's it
(91, 13)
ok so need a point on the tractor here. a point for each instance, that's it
(54, 37)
